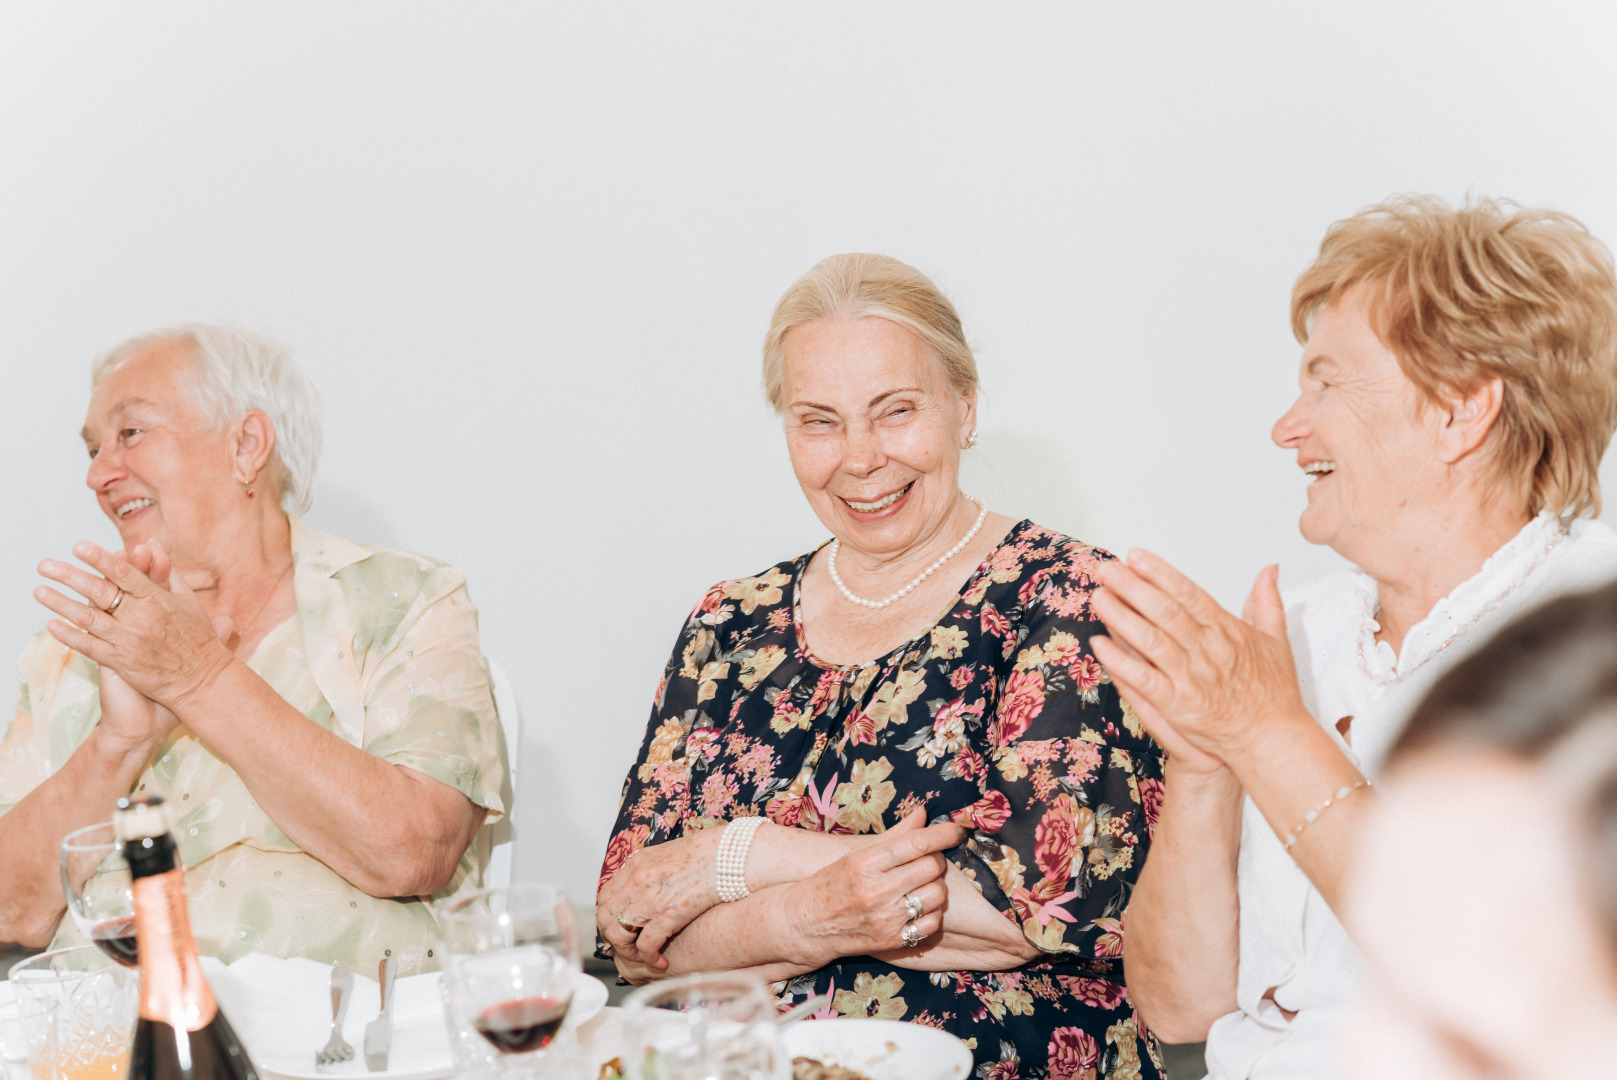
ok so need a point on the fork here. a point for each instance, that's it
(337, 1048)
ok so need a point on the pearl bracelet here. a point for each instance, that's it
(1313, 815)
(731, 864)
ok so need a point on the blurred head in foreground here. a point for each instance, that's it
(1486, 897)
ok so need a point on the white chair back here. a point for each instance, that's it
(503, 833)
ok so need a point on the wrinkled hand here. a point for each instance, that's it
(662, 889)
(1202, 681)
(131, 722)
(160, 639)
(855, 906)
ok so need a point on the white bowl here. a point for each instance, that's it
(881, 1049)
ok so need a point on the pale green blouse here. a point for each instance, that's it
(383, 652)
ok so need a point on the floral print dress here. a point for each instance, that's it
(997, 718)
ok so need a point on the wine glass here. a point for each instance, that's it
(99, 891)
(705, 1027)
(511, 956)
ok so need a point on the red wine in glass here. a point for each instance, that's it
(523, 1025)
(116, 938)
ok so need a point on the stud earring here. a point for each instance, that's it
(971, 440)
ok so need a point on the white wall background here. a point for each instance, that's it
(529, 251)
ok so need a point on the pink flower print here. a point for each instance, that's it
(703, 741)
(1019, 705)
(1151, 803)
(969, 765)
(1072, 1053)
(823, 803)
(988, 814)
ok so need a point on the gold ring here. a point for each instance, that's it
(629, 926)
(115, 602)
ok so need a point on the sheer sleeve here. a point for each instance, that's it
(1071, 782)
(656, 798)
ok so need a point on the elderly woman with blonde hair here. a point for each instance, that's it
(284, 690)
(890, 770)
(1459, 387)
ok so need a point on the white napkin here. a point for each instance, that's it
(282, 1010)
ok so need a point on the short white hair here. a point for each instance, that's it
(239, 370)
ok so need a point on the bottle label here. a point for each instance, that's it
(173, 989)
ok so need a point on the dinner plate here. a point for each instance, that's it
(282, 1036)
(881, 1049)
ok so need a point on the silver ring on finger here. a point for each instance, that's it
(116, 600)
(911, 935)
(913, 907)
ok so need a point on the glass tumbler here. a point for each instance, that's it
(96, 1001)
(704, 1027)
(28, 1039)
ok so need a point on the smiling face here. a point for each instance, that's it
(874, 430)
(1362, 431)
(158, 468)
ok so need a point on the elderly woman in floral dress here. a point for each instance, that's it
(286, 691)
(890, 770)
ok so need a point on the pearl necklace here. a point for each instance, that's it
(831, 560)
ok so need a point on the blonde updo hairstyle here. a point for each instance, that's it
(859, 286)
(1490, 291)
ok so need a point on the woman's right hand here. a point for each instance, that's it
(131, 722)
(855, 906)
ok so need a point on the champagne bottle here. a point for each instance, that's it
(181, 1034)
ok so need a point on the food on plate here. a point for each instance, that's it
(807, 1068)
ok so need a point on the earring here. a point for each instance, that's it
(971, 440)
(249, 493)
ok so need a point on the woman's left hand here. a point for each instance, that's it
(160, 640)
(1175, 652)
(658, 892)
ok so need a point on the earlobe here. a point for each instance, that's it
(1470, 419)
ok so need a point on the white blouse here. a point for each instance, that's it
(1295, 955)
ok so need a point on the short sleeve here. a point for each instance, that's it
(429, 702)
(19, 771)
(1073, 781)
(58, 703)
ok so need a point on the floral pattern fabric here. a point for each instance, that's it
(998, 718)
(383, 652)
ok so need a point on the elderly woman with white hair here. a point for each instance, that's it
(890, 770)
(284, 690)
(1458, 389)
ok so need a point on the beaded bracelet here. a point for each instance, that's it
(731, 864)
(1313, 815)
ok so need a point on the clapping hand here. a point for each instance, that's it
(142, 622)
(1200, 679)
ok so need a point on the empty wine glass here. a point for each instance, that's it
(705, 1027)
(511, 957)
(99, 892)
